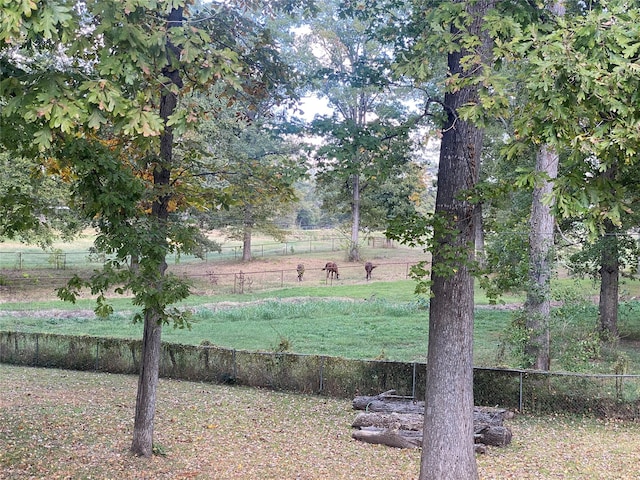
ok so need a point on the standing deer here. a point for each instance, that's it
(300, 271)
(331, 268)
(368, 267)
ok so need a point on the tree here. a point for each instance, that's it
(582, 82)
(97, 86)
(349, 62)
(613, 253)
(34, 206)
(448, 451)
(247, 161)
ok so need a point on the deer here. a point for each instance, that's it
(332, 269)
(368, 268)
(300, 270)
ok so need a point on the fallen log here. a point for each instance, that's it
(390, 438)
(388, 402)
(494, 435)
(397, 438)
(404, 421)
(398, 422)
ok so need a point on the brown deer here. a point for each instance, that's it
(368, 268)
(300, 270)
(332, 269)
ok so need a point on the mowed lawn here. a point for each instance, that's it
(57, 424)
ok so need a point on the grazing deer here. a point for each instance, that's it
(300, 270)
(368, 267)
(331, 268)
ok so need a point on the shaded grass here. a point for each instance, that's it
(60, 424)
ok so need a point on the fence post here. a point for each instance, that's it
(520, 409)
(97, 365)
(37, 353)
(413, 381)
(235, 366)
(321, 374)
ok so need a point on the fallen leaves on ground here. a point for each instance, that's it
(58, 424)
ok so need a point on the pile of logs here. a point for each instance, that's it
(395, 421)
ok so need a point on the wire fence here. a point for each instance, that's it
(58, 259)
(214, 281)
(523, 390)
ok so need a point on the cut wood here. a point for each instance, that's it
(390, 438)
(396, 421)
(404, 421)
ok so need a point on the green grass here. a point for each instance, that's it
(345, 328)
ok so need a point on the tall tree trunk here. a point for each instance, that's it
(448, 446)
(609, 278)
(142, 443)
(538, 303)
(354, 248)
(246, 235)
(542, 222)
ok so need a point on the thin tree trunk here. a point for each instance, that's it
(609, 280)
(246, 237)
(354, 249)
(538, 303)
(142, 443)
(448, 448)
(542, 222)
(246, 244)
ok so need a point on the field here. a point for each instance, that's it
(349, 317)
(75, 425)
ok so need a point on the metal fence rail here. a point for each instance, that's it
(523, 390)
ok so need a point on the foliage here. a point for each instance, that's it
(576, 346)
(347, 59)
(34, 205)
(250, 169)
(585, 67)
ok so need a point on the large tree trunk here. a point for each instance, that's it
(542, 222)
(609, 278)
(354, 249)
(448, 447)
(142, 443)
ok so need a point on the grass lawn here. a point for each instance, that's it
(58, 424)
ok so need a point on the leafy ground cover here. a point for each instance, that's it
(60, 424)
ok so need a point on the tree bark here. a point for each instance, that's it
(142, 443)
(609, 283)
(246, 236)
(354, 249)
(448, 446)
(538, 303)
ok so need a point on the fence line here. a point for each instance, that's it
(61, 260)
(602, 395)
(216, 282)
